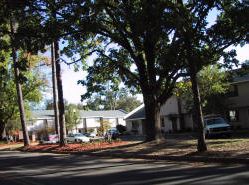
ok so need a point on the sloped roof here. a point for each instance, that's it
(138, 113)
(239, 75)
(240, 79)
(42, 114)
(103, 113)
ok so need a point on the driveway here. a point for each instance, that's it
(17, 168)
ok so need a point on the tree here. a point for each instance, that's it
(104, 126)
(203, 44)
(128, 103)
(126, 34)
(72, 117)
(213, 85)
(51, 28)
(33, 84)
(13, 16)
(94, 103)
(55, 91)
(112, 99)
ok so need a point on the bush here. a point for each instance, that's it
(126, 133)
(121, 128)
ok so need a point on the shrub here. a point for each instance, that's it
(121, 128)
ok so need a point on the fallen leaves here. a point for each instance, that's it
(74, 147)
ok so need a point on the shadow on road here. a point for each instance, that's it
(75, 169)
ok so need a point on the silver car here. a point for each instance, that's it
(217, 126)
(77, 137)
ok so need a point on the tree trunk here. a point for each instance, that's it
(60, 96)
(201, 146)
(2, 127)
(55, 92)
(19, 90)
(152, 122)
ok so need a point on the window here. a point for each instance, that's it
(134, 125)
(162, 122)
(233, 115)
(233, 91)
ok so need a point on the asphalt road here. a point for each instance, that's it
(17, 168)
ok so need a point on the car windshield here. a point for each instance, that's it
(215, 121)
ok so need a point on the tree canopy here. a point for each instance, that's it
(213, 84)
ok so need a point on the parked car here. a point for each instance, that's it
(92, 134)
(77, 137)
(216, 125)
(51, 138)
(112, 133)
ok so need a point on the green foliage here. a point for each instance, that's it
(32, 88)
(121, 128)
(113, 100)
(72, 117)
(12, 127)
(147, 45)
(213, 84)
(104, 126)
(128, 103)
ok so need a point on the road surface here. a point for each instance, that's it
(18, 168)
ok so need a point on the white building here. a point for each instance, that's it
(89, 120)
(173, 117)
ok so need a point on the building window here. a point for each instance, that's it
(134, 127)
(162, 122)
(233, 91)
(233, 115)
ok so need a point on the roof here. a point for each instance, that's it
(49, 114)
(42, 114)
(240, 75)
(240, 79)
(103, 113)
(138, 113)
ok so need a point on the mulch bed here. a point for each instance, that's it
(74, 147)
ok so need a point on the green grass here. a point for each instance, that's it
(2, 142)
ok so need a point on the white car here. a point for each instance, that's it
(77, 137)
(216, 125)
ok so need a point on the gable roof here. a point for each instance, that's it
(49, 114)
(240, 79)
(103, 113)
(138, 113)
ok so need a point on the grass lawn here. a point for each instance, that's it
(229, 147)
